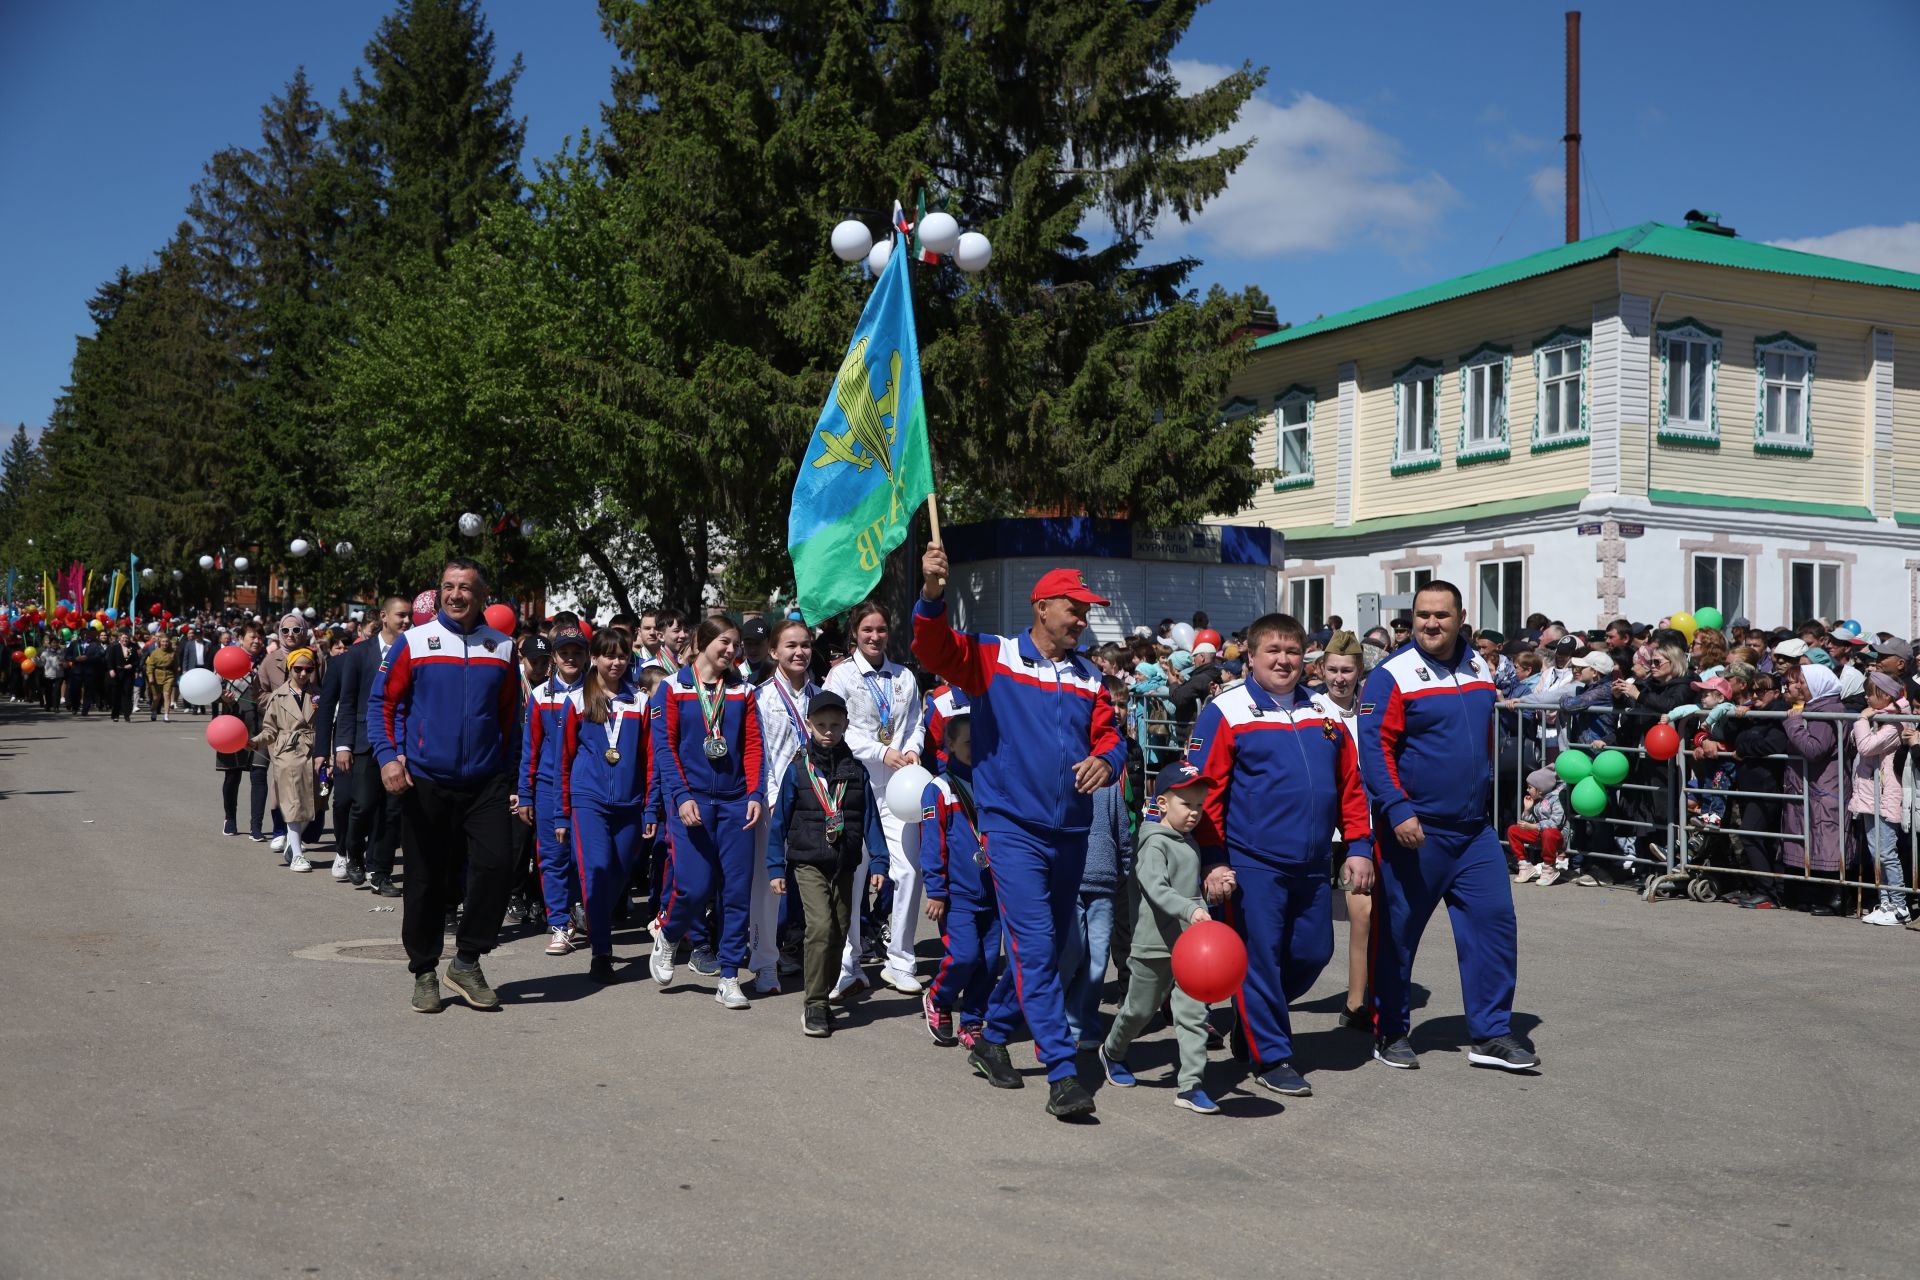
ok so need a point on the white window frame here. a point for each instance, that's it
(1561, 340)
(1688, 334)
(1407, 582)
(1302, 587)
(1406, 409)
(1508, 613)
(1798, 442)
(1476, 369)
(1819, 568)
(1718, 598)
(1294, 399)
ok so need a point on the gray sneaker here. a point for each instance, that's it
(704, 962)
(471, 983)
(660, 963)
(426, 992)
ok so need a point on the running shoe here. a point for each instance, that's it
(558, 944)
(939, 1021)
(471, 983)
(1196, 1100)
(1503, 1052)
(729, 995)
(704, 962)
(1398, 1054)
(298, 862)
(1117, 1073)
(660, 963)
(1067, 1100)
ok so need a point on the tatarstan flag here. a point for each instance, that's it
(868, 466)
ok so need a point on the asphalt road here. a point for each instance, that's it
(190, 1087)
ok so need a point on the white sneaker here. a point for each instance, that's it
(166, 718)
(729, 994)
(905, 983)
(339, 866)
(1527, 871)
(558, 942)
(660, 963)
(1548, 875)
(1881, 915)
(1586, 878)
(299, 863)
(277, 843)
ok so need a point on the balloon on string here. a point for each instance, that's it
(425, 606)
(299, 547)
(232, 662)
(1610, 768)
(28, 665)
(240, 563)
(1207, 635)
(1709, 617)
(113, 615)
(501, 617)
(1210, 961)
(851, 240)
(1181, 635)
(878, 255)
(1685, 624)
(904, 790)
(343, 549)
(227, 734)
(200, 687)
(1589, 798)
(308, 613)
(146, 575)
(1662, 741)
(973, 253)
(527, 528)
(939, 233)
(179, 574)
(471, 525)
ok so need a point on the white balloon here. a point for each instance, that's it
(179, 574)
(1181, 635)
(470, 525)
(904, 790)
(878, 255)
(851, 241)
(206, 562)
(299, 546)
(200, 687)
(527, 527)
(240, 563)
(153, 628)
(147, 574)
(973, 253)
(308, 611)
(939, 232)
(343, 549)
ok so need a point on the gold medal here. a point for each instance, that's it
(612, 755)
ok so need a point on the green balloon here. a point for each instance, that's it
(1610, 768)
(1573, 766)
(1708, 616)
(1589, 798)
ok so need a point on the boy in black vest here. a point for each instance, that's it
(829, 817)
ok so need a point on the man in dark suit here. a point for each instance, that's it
(340, 730)
(197, 654)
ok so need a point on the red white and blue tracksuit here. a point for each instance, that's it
(1426, 752)
(943, 704)
(970, 930)
(1033, 720)
(541, 734)
(604, 803)
(715, 859)
(1285, 777)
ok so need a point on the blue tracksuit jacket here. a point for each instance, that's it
(1426, 737)
(449, 701)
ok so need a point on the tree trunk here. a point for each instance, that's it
(679, 581)
(615, 583)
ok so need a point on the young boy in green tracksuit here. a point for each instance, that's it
(1166, 870)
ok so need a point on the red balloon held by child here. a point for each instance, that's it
(227, 734)
(1210, 961)
(1662, 742)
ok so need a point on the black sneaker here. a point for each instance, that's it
(426, 992)
(1505, 1053)
(471, 983)
(516, 910)
(383, 887)
(357, 874)
(1360, 1019)
(601, 970)
(991, 1060)
(1398, 1054)
(816, 1021)
(1285, 1080)
(1067, 1100)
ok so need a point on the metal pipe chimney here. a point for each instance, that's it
(1572, 138)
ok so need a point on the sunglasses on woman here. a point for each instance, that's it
(307, 670)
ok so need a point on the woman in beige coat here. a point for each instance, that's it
(286, 735)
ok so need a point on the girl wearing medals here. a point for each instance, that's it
(707, 757)
(781, 704)
(886, 731)
(602, 787)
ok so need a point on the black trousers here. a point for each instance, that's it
(121, 690)
(373, 822)
(449, 828)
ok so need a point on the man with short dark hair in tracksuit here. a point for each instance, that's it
(1044, 740)
(1426, 754)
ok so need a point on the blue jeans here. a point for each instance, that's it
(1883, 843)
(1083, 962)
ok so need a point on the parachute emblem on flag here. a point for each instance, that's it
(872, 421)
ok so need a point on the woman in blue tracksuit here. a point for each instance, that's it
(603, 770)
(707, 760)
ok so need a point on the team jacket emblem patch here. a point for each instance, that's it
(433, 642)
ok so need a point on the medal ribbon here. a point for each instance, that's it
(880, 686)
(712, 711)
(829, 803)
(793, 709)
(616, 719)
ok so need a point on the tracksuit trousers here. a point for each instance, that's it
(1036, 880)
(606, 845)
(1285, 916)
(964, 982)
(559, 868)
(1467, 870)
(712, 862)
(448, 827)
(1148, 985)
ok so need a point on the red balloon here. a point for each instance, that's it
(232, 662)
(1210, 961)
(1662, 741)
(1207, 636)
(153, 610)
(227, 733)
(501, 617)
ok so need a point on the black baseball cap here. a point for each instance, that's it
(536, 647)
(754, 628)
(825, 700)
(1175, 776)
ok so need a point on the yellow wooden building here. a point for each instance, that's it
(1657, 418)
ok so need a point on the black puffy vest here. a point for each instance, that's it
(807, 830)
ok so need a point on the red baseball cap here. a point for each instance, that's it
(1068, 583)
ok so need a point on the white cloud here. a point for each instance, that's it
(1549, 185)
(1318, 179)
(1896, 247)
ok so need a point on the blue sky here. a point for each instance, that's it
(1400, 142)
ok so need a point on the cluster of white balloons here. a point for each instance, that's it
(939, 233)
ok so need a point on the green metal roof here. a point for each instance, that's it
(1655, 239)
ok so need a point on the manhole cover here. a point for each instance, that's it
(380, 951)
(371, 951)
